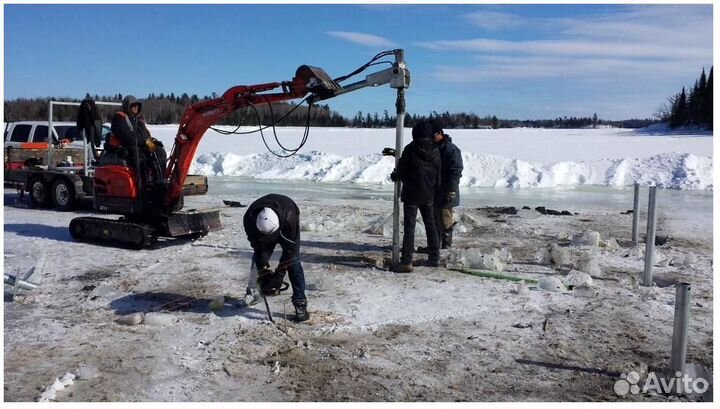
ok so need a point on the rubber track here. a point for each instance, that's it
(113, 232)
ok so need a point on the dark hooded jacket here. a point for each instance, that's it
(88, 119)
(419, 167)
(289, 218)
(450, 173)
(129, 128)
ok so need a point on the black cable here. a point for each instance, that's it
(362, 68)
(365, 66)
(234, 132)
(292, 151)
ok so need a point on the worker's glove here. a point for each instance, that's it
(150, 144)
(394, 176)
(450, 197)
(281, 271)
(264, 271)
(388, 152)
(270, 282)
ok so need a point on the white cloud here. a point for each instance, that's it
(493, 68)
(656, 41)
(363, 39)
(493, 20)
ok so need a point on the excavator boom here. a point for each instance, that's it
(153, 210)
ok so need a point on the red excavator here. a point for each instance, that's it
(151, 207)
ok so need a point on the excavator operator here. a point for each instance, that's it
(131, 139)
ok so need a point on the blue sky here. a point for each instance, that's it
(513, 61)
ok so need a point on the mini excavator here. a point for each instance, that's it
(152, 208)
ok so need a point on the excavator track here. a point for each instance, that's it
(113, 232)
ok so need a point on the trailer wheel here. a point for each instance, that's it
(39, 192)
(63, 194)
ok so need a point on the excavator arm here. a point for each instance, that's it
(308, 80)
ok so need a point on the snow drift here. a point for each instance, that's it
(666, 170)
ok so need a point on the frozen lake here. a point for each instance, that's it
(685, 206)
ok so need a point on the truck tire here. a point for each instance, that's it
(39, 192)
(63, 194)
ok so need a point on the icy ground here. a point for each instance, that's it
(433, 335)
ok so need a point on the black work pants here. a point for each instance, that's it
(408, 245)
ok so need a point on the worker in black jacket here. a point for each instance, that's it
(447, 195)
(130, 133)
(270, 220)
(419, 171)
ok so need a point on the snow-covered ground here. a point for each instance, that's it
(434, 335)
(502, 158)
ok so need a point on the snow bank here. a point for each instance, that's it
(666, 170)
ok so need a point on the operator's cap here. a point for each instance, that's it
(267, 221)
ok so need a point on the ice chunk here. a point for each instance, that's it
(610, 244)
(85, 373)
(590, 265)
(67, 379)
(559, 256)
(586, 238)
(504, 255)
(47, 395)
(131, 319)
(57, 385)
(579, 279)
(551, 284)
(542, 256)
(491, 262)
(685, 260)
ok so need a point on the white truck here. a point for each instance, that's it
(53, 162)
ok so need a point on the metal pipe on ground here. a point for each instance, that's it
(19, 283)
(680, 329)
(650, 240)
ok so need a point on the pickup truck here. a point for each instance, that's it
(57, 174)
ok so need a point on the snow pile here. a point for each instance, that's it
(665, 170)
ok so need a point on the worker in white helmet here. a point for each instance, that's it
(270, 220)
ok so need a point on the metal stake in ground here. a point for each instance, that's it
(399, 125)
(650, 240)
(680, 329)
(636, 215)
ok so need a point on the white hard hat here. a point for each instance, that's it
(267, 221)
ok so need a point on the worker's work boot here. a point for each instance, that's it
(301, 312)
(447, 239)
(404, 268)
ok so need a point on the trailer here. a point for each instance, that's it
(58, 173)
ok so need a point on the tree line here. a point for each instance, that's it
(169, 108)
(691, 108)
